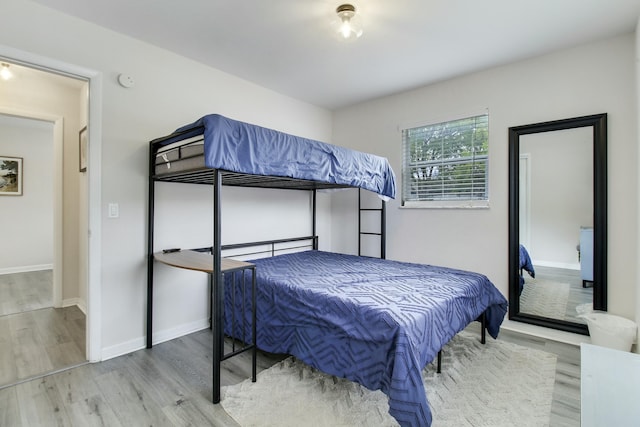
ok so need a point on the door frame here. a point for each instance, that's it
(94, 232)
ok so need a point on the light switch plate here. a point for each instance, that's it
(114, 210)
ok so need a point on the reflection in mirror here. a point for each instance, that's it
(36, 338)
(557, 221)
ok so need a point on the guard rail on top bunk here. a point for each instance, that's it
(216, 178)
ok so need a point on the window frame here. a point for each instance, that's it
(462, 203)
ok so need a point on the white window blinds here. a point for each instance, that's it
(446, 161)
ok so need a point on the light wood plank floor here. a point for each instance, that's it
(565, 408)
(577, 294)
(40, 341)
(35, 338)
(170, 385)
(21, 292)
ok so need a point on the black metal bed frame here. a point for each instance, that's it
(216, 178)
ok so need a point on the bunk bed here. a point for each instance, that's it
(340, 309)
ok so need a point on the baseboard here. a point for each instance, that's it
(158, 337)
(545, 333)
(25, 269)
(75, 301)
(553, 264)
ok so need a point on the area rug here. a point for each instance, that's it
(545, 298)
(493, 385)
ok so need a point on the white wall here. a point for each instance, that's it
(170, 91)
(26, 226)
(560, 192)
(31, 95)
(637, 237)
(590, 79)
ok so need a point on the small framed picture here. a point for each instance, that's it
(83, 149)
(10, 176)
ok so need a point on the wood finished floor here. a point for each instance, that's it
(565, 407)
(21, 292)
(577, 294)
(170, 385)
(35, 338)
(40, 341)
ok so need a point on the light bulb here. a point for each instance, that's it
(349, 24)
(345, 28)
(5, 72)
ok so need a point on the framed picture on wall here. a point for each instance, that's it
(83, 149)
(10, 176)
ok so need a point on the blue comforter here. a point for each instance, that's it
(245, 148)
(526, 265)
(376, 322)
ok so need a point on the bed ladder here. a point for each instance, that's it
(383, 225)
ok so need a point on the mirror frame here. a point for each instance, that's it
(599, 123)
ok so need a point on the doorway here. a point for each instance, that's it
(49, 334)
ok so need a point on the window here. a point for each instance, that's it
(446, 164)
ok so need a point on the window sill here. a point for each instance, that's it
(466, 204)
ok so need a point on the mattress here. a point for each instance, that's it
(189, 155)
(376, 322)
(217, 142)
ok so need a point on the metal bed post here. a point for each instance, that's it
(359, 222)
(254, 337)
(217, 288)
(150, 221)
(314, 215)
(210, 292)
(383, 231)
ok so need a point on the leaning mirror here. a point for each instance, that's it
(558, 221)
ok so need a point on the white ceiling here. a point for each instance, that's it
(288, 45)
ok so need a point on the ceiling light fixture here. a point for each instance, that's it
(5, 72)
(349, 24)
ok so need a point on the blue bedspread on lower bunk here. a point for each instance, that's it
(526, 265)
(376, 322)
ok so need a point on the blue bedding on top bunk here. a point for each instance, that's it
(245, 148)
(376, 322)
